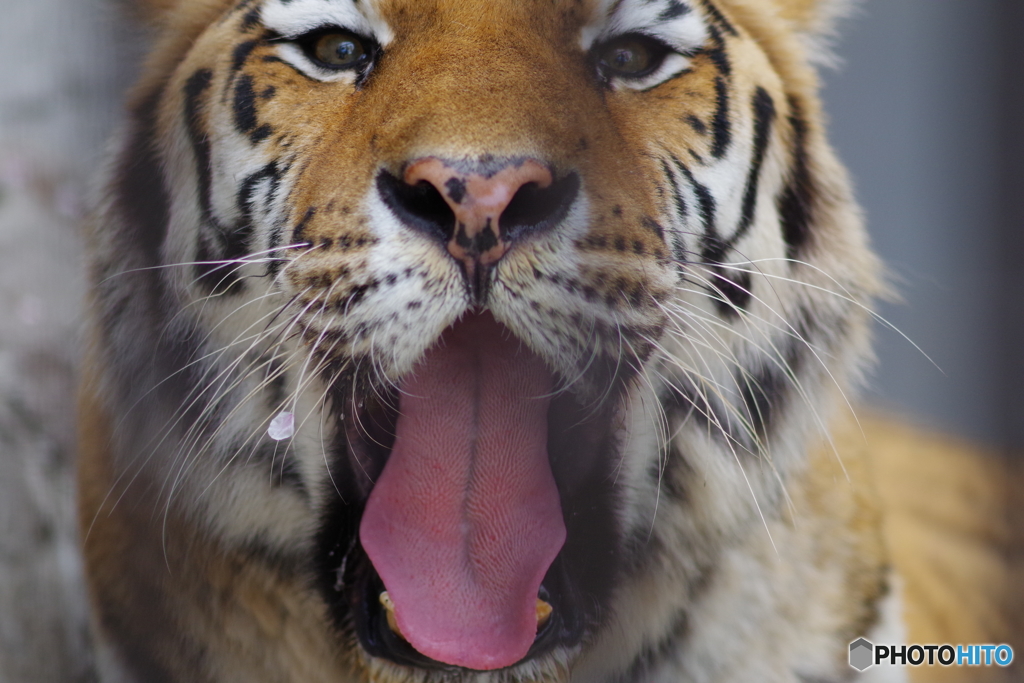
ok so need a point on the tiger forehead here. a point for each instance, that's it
(362, 13)
(586, 20)
(486, 12)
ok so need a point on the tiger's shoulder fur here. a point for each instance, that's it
(478, 342)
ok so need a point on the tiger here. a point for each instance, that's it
(479, 341)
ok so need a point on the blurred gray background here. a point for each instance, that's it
(65, 64)
(927, 109)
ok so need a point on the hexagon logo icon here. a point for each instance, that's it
(862, 654)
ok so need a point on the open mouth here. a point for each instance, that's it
(485, 531)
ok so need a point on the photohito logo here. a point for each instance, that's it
(864, 654)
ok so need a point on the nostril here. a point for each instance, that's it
(535, 208)
(419, 205)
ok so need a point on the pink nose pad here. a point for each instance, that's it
(477, 202)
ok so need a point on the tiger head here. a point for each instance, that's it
(520, 286)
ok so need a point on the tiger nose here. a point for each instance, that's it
(478, 202)
(478, 210)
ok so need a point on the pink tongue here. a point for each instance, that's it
(465, 519)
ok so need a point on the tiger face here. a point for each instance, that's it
(490, 329)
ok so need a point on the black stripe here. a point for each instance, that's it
(672, 644)
(245, 113)
(654, 227)
(684, 398)
(251, 19)
(796, 203)
(241, 53)
(721, 126)
(244, 108)
(697, 124)
(238, 242)
(677, 197)
(652, 657)
(671, 474)
(705, 200)
(764, 117)
(276, 260)
(261, 133)
(718, 17)
(678, 246)
(763, 392)
(216, 278)
(733, 288)
(197, 84)
(140, 194)
(298, 234)
(246, 197)
(765, 387)
(673, 10)
(728, 294)
(141, 201)
(211, 276)
(274, 59)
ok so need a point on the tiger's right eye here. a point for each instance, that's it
(631, 56)
(339, 50)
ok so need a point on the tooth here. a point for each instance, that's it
(389, 609)
(543, 612)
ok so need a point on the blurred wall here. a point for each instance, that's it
(65, 65)
(925, 111)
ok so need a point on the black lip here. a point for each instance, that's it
(578, 585)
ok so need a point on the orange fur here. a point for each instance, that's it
(946, 505)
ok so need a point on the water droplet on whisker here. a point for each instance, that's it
(282, 427)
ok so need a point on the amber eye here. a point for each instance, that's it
(339, 50)
(631, 56)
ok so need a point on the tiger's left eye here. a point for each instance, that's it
(631, 56)
(340, 50)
